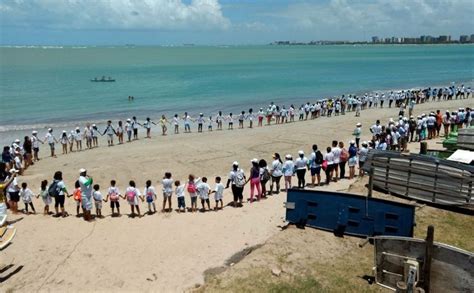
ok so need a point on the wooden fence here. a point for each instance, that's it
(421, 177)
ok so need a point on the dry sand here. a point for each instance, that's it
(163, 252)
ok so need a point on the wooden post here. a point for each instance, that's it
(428, 257)
(371, 181)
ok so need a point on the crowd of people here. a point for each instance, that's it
(23, 154)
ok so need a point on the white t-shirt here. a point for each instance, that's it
(13, 187)
(301, 163)
(35, 142)
(167, 185)
(26, 195)
(136, 192)
(219, 189)
(276, 169)
(49, 137)
(180, 191)
(149, 192)
(113, 190)
(233, 175)
(203, 190)
(288, 167)
(336, 151)
(97, 196)
(329, 157)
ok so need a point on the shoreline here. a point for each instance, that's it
(10, 132)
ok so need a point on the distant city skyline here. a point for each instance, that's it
(213, 22)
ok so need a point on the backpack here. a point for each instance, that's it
(239, 179)
(53, 189)
(114, 196)
(192, 187)
(77, 194)
(265, 175)
(131, 195)
(344, 155)
(319, 158)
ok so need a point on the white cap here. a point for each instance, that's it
(34, 132)
(288, 156)
(128, 119)
(64, 131)
(235, 163)
(93, 125)
(82, 170)
(300, 153)
(352, 142)
(77, 128)
(254, 160)
(50, 129)
(359, 124)
(364, 143)
(17, 140)
(13, 170)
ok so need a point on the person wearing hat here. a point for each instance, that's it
(88, 135)
(5, 181)
(276, 172)
(363, 153)
(352, 161)
(260, 116)
(238, 180)
(288, 171)
(300, 166)
(357, 133)
(70, 137)
(51, 139)
(64, 140)
(35, 141)
(78, 139)
(85, 182)
(95, 138)
(13, 190)
(128, 129)
(254, 178)
(28, 151)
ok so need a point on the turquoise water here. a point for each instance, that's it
(51, 86)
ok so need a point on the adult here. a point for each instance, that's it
(344, 157)
(58, 191)
(300, 165)
(28, 148)
(336, 151)
(35, 141)
(315, 161)
(85, 182)
(13, 191)
(352, 161)
(329, 162)
(363, 153)
(276, 172)
(51, 139)
(254, 178)
(237, 178)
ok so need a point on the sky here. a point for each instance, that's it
(211, 22)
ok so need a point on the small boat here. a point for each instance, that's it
(103, 79)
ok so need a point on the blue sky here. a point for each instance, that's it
(164, 22)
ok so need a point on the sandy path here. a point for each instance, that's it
(165, 252)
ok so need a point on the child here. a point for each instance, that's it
(45, 196)
(98, 200)
(64, 141)
(204, 190)
(77, 196)
(163, 122)
(230, 120)
(191, 187)
(219, 192)
(27, 195)
(180, 196)
(209, 121)
(167, 190)
(114, 195)
(150, 195)
(133, 195)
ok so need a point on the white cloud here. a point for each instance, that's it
(114, 14)
(408, 17)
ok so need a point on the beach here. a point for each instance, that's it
(166, 252)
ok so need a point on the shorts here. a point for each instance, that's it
(149, 199)
(181, 202)
(135, 131)
(78, 203)
(98, 204)
(36, 150)
(361, 164)
(14, 196)
(315, 170)
(352, 161)
(193, 200)
(237, 192)
(218, 197)
(114, 204)
(110, 136)
(51, 146)
(167, 194)
(59, 201)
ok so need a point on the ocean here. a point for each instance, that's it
(50, 86)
